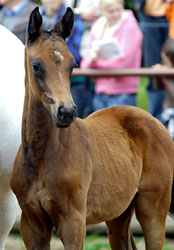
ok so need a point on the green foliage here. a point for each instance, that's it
(128, 4)
(37, 2)
(142, 98)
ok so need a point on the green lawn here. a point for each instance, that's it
(92, 242)
(98, 242)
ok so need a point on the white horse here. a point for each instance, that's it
(11, 106)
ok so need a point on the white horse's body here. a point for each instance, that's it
(11, 106)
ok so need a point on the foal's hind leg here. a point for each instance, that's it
(151, 211)
(120, 236)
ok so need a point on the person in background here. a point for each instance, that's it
(89, 12)
(115, 43)
(51, 11)
(167, 84)
(14, 15)
(154, 25)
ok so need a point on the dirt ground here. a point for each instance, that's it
(15, 243)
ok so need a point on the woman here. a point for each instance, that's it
(115, 42)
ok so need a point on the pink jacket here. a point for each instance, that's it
(129, 37)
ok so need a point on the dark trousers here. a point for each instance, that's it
(82, 94)
(155, 31)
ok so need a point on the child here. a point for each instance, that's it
(115, 42)
(167, 55)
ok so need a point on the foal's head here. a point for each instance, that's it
(49, 65)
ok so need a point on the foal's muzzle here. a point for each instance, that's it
(65, 116)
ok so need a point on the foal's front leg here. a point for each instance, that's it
(72, 230)
(35, 239)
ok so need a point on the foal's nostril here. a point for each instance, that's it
(66, 115)
(61, 113)
(61, 110)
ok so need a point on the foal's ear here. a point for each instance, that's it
(35, 23)
(64, 26)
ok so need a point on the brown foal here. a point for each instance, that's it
(71, 172)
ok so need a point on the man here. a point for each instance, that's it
(14, 15)
(154, 25)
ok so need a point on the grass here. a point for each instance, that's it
(96, 242)
(99, 242)
(92, 242)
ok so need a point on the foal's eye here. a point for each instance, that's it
(35, 67)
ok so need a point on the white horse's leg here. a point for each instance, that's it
(8, 212)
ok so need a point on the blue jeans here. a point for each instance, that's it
(82, 96)
(155, 31)
(101, 101)
(156, 98)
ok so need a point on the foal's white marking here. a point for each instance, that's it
(57, 53)
(60, 75)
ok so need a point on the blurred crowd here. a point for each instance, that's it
(110, 34)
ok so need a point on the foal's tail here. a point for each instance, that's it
(171, 210)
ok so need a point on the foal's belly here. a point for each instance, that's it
(107, 208)
(109, 197)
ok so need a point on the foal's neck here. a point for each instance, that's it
(37, 128)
